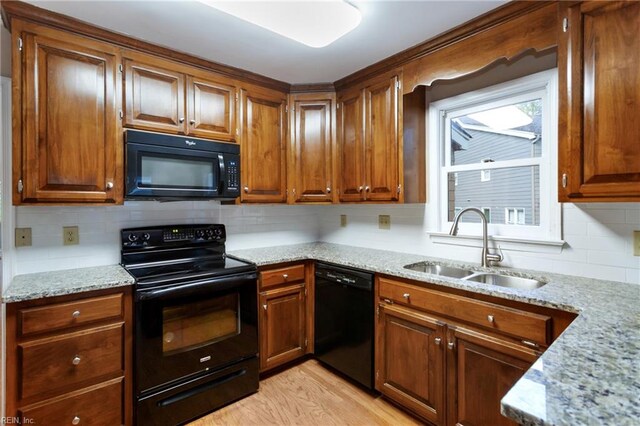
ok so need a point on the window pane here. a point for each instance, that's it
(507, 133)
(512, 196)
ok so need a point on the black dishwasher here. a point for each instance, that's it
(344, 321)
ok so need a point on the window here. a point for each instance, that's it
(514, 216)
(496, 150)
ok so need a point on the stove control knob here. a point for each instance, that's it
(218, 232)
(146, 236)
(199, 233)
(133, 238)
(209, 233)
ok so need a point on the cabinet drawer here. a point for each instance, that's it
(290, 274)
(100, 405)
(49, 365)
(65, 315)
(522, 324)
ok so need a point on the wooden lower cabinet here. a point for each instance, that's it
(75, 366)
(481, 370)
(285, 313)
(282, 325)
(410, 361)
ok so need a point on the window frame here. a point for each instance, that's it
(541, 85)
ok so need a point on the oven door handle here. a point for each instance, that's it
(210, 285)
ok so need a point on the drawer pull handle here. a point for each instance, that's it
(406, 296)
(491, 319)
(75, 314)
(75, 421)
(76, 360)
(285, 276)
(389, 301)
(438, 340)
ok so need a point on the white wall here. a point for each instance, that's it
(247, 226)
(598, 238)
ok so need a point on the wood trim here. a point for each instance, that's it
(28, 12)
(487, 21)
(312, 88)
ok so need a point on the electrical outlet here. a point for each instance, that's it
(343, 220)
(636, 243)
(384, 221)
(23, 237)
(70, 235)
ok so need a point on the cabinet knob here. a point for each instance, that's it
(366, 188)
(246, 189)
(451, 345)
(75, 314)
(75, 360)
(328, 190)
(109, 185)
(264, 307)
(75, 421)
(406, 296)
(438, 340)
(491, 319)
(181, 119)
(285, 276)
(192, 122)
(360, 189)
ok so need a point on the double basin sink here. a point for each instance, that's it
(492, 278)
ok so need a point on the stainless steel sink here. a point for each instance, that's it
(435, 269)
(506, 281)
(490, 278)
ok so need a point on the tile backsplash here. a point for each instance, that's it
(247, 226)
(598, 236)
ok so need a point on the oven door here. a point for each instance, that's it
(166, 172)
(193, 328)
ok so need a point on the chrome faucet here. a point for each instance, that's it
(487, 258)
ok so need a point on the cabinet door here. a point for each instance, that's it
(481, 370)
(351, 146)
(154, 98)
(263, 143)
(381, 141)
(71, 148)
(312, 150)
(211, 109)
(410, 361)
(599, 102)
(282, 325)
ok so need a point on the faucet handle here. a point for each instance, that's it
(495, 257)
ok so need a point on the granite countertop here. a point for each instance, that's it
(70, 281)
(590, 375)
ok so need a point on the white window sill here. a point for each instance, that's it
(505, 243)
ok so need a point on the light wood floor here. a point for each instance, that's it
(308, 394)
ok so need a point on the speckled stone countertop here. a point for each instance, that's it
(589, 376)
(70, 281)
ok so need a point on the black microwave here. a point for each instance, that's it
(167, 167)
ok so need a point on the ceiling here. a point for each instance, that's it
(387, 27)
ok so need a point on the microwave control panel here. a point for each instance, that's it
(233, 175)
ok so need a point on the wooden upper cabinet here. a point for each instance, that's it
(599, 102)
(154, 97)
(351, 146)
(481, 370)
(263, 144)
(381, 141)
(164, 96)
(211, 109)
(312, 152)
(369, 142)
(410, 361)
(67, 148)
